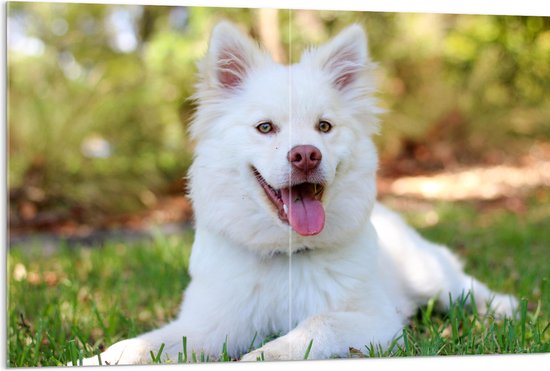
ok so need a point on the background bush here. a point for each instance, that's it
(98, 94)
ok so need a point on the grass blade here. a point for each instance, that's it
(225, 355)
(184, 341)
(251, 347)
(156, 359)
(308, 349)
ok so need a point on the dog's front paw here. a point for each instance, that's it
(503, 305)
(285, 348)
(92, 361)
(126, 352)
(279, 349)
(267, 354)
(255, 355)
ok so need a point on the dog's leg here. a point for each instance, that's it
(204, 324)
(332, 334)
(426, 269)
(138, 350)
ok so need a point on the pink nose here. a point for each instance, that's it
(305, 158)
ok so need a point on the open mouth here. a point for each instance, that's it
(298, 205)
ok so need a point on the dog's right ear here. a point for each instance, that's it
(231, 56)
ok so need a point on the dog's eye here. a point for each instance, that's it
(265, 127)
(324, 126)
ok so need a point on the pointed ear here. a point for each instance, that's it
(231, 55)
(344, 57)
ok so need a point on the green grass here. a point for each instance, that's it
(84, 299)
(74, 302)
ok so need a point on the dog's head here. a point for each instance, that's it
(284, 152)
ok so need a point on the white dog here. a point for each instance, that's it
(289, 238)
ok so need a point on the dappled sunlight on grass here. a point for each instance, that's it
(480, 182)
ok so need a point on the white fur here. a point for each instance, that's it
(352, 285)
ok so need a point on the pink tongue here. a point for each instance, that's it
(305, 214)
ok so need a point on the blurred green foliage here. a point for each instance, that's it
(98, 94)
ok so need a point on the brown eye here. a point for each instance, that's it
(324, 126)
(265, 127)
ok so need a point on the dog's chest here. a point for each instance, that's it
(291, 289)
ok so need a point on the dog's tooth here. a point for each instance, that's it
(285, 208)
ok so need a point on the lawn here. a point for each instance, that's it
(72, 302)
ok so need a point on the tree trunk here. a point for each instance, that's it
(270, 34)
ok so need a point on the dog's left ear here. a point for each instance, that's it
(344, 57)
